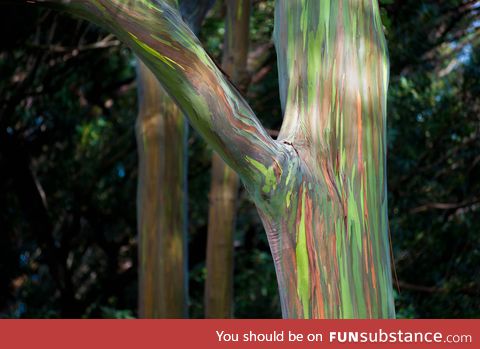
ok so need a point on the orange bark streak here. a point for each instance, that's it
(360, 132)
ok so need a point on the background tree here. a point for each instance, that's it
(162, 135)
(224, 183)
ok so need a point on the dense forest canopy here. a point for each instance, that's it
(68, 165)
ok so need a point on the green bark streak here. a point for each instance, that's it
(269, 179)
(303, 273)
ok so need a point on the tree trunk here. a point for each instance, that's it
(162, 134)
(161, 202)
(329, 231)
(321, 187)
(224, 183)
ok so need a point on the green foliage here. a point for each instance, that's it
(434, 142)
(434, 147)
(67, 143)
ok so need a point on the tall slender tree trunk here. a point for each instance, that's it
(224, 182)
(321, 187)
(161, 201)
(162, 134)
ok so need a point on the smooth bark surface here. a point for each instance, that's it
(321, 188)
(224, 183)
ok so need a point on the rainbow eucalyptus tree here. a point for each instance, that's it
(224, 182)
(320, 188)
(161, 202)
(162, 134)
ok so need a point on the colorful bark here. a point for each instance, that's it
(321, 188)
(156, 33)
(224, 183)
(162, 134)
(333, 69)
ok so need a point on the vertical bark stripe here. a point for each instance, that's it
(301, 251)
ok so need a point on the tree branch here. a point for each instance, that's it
(445, 205)
(158, 35)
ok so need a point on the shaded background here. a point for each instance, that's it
(68, 166)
